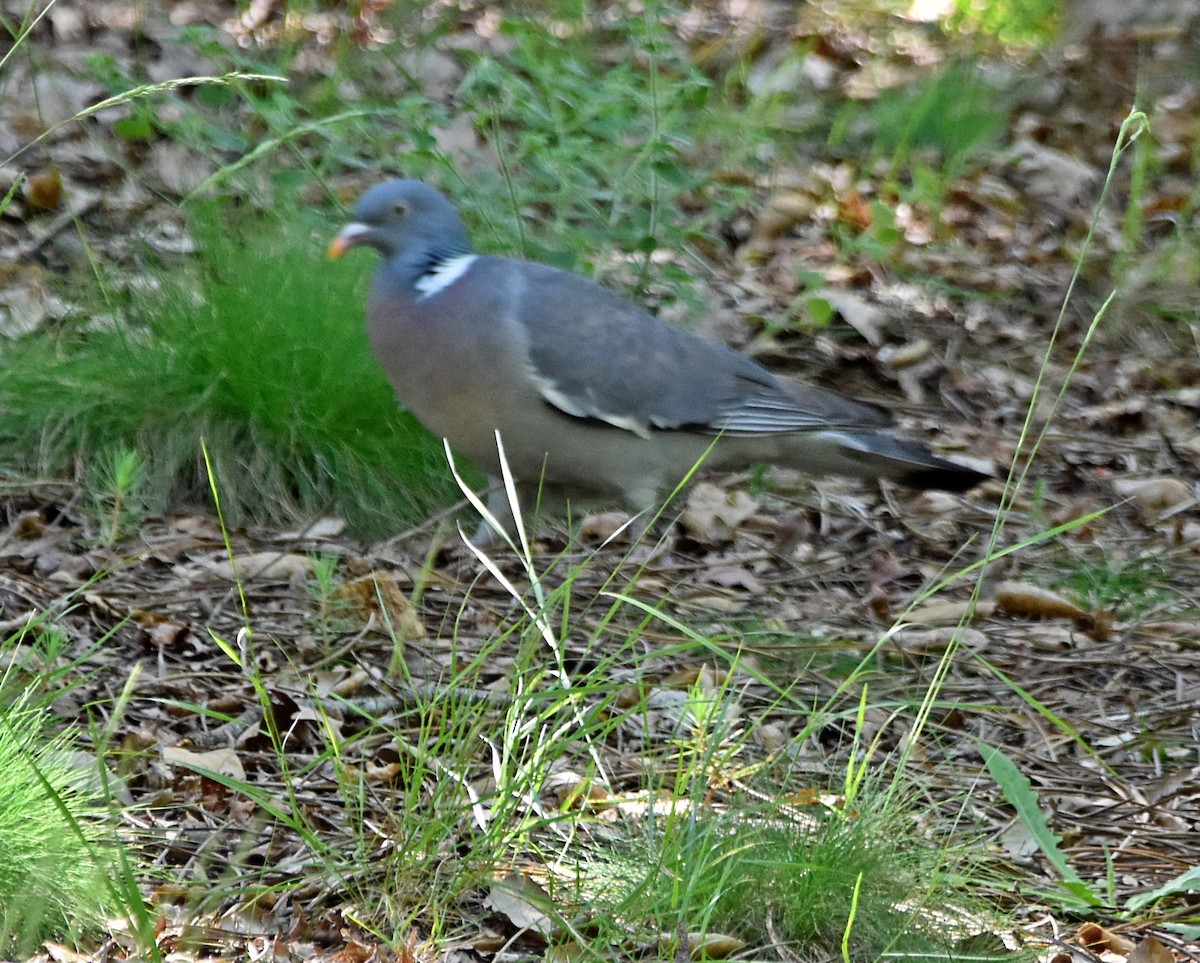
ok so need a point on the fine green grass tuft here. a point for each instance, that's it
(55, 847)
(1131, 586)
(262, 354)
(864, 882)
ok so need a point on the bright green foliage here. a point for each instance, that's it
(262, 354)
(54, 846)
(1013, 22)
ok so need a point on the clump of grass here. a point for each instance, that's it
(1129, 585)
(54, 845)
(955, 113)
(259, 350)
(863, 883)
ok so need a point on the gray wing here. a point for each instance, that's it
(597, 355)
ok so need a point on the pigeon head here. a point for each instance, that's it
(404, 218)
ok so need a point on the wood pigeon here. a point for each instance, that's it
(593, 397)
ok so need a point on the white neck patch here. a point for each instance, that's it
(443, 275)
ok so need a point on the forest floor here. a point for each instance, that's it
(1080, 660)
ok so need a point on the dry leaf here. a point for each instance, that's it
(600, 527)
(289, 566)
(901, 356)
(712, 514)
(1052, 175)
(948, 613)
(865, 317)
(1030, 601)
(520, 899)
(380, 593)
(383, 775)
(780, 214)
(564, 952)
(936, 640)
(718, 603)
(1150, 950)
(178, 169)
(61, 954)
(1156, 498)
(713, 945)
(354, 952)
(327, 527)
(224, 762)
(733, 575)
(44, 190)
(1099, 939)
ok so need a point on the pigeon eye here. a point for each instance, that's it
(400, 208)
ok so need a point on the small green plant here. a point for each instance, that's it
(943, 120)
(880, 241)
(116, 487)
(1076, 894)
(324, 570)
(926, 135)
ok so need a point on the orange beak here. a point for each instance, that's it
(350, 236)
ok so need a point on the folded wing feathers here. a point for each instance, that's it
(758, 414)
(583, 408)
(766, 415)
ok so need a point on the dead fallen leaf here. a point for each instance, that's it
(61, 954)
(519, 899)
(733, 575)
(601, 527)
(44, 190)
(1150, 950)
(865, 317)
(379, 593)
(289, 566)
(224, 762)
(936, 640)
(703, 676)
(903, 355)
(713, 514)
(708, 946)
(1156, 498)
(1051, 175)
(948, 613)
(1031, 601)
(780, 214)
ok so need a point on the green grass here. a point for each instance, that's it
(258, 349)
(810, 878)
(1130, 586)
(60, 864)
(922, 137)
(517, 796)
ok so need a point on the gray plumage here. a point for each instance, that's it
(593, 396)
